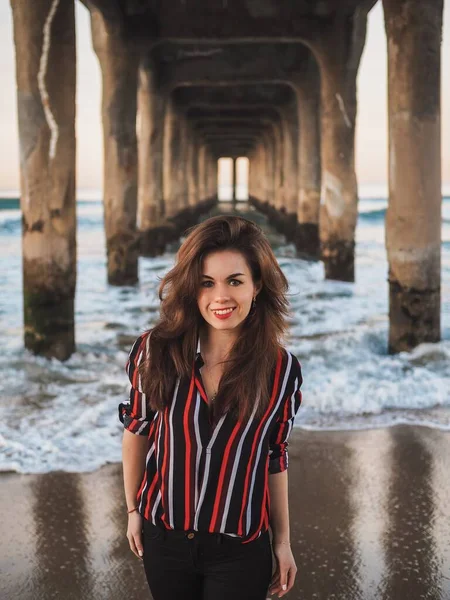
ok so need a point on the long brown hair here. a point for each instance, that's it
(172, 343)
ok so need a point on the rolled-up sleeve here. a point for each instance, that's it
(281, 430)
(134, 414)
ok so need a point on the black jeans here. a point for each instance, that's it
(205, 566)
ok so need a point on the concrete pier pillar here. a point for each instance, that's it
(278, 199)
(119, 65)
(44, 35)
(307, 86)
(258, 171)
(262, 153)
(413, 218)
(211, 182)
(290, 159)
(202, 191)
(338, 54)
(259, 174)
(192, 171)
(287, 220)
(251, 175)
(233, 180)
(185, 135)
(172, 161)
(150, 210)
(269, 167)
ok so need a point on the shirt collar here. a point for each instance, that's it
(198, 354)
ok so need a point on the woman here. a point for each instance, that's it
(212, 402)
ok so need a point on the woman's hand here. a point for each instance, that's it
(134, 533)
(284, 576)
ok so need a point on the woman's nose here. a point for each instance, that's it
(221, 292)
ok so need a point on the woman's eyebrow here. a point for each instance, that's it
(229, 276)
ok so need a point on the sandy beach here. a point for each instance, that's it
(370, 520)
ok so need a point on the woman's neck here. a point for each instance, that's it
(216, 345)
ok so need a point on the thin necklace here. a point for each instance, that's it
(213, 397)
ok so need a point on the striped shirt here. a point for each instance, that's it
(210, 478)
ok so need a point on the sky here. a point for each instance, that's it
(371, 132)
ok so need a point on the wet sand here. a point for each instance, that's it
(369, 512)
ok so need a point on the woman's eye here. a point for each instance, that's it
(235, 283)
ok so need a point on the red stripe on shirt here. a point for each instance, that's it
(255, 439)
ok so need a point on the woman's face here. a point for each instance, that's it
(226, 289)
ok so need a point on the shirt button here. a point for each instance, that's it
(190, 535)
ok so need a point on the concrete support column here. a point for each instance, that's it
(413, 218)
(119, 65)
(262, 178)
(269, 167)
(151, 106)
(254, 188)
(202, 191)
(233, 181)
(182, 170)
(211, 177)
(172, 161)
(262, 171)
(251, 174)
(207, 175)
(290, 160)
(307, 86)
(192, 171)
(278, 199)
(44, 35)
(261, 166)
(339, 54)
(288, 217)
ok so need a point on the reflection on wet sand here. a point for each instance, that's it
(118, 573)
(369, 514)
(412, 566)
(321, 512)
(371, 471)
(60, 565)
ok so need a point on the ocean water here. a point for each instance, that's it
(64, 415)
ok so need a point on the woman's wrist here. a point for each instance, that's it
(132, 510)
(287, 542)
(281, 536)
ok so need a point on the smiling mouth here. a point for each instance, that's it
(223, 311)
